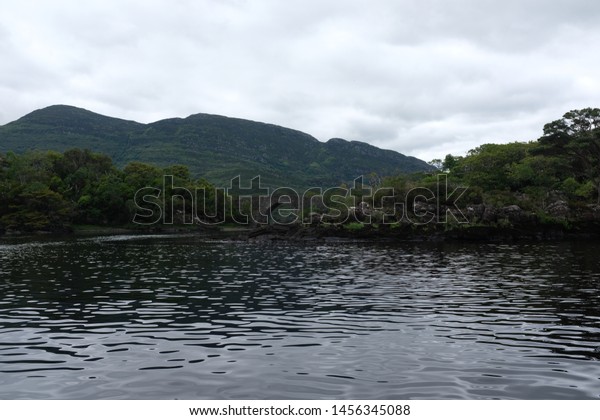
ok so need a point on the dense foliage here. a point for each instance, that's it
(50, 191)
(563, 166)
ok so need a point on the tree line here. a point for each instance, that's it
(51, 191)
(563, 164)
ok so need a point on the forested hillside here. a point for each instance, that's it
(214, 147)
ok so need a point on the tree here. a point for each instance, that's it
(109, 199)
(450, 162)
(576, 137)
(36, 207)
(489, 165)
(140, 175)
(437, 164)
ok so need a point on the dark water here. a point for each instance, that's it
(165, 317)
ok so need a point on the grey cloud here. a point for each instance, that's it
(420, 77)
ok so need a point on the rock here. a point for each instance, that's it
(475, 211)
(490, 215)
(363, 208)
(559, 209)
(512, 214)
(329, 218)
(515, 214)
(313, 219)
(595, 209)
(512, 209)
(422, 208)
(361, 212)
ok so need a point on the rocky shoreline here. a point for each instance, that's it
(464, 233)
(485, 223)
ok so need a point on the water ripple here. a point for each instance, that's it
(177, 317)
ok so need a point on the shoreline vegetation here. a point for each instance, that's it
(548, 189)
(340, 233)
(323, 233)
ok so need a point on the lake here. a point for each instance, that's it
(180, 317)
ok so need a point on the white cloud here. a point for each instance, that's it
(421, 77)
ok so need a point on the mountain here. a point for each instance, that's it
(215, 147)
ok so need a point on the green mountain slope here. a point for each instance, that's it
(215, 147)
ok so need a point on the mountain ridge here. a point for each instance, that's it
(215, 147)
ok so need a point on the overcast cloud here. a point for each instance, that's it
(424, 78)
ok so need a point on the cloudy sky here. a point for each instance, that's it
(421, 77)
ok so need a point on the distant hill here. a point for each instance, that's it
(215, 147)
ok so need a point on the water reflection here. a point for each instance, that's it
(178, 317)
